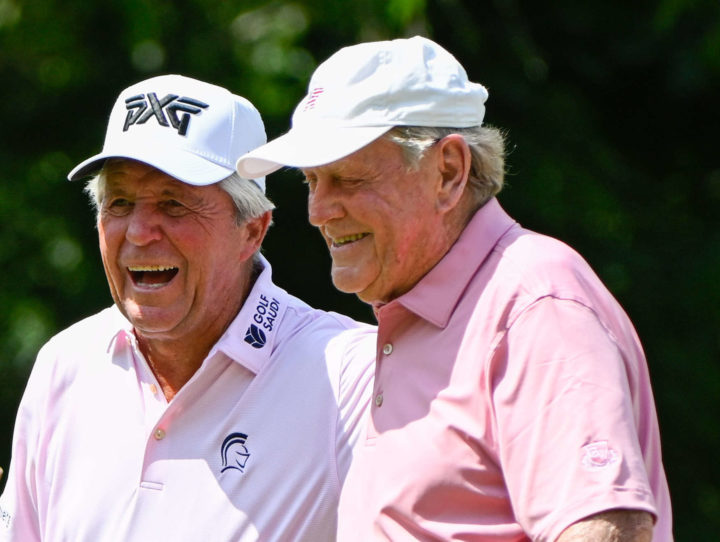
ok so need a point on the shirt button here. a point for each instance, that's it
(387, 349)
(159, 434)
(379, 399)
(153, 389)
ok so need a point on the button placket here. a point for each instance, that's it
(387, 349)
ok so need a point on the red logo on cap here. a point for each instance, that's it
(313, 98)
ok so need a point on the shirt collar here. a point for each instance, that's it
(435, 297)
(119, 326)
(250, 338)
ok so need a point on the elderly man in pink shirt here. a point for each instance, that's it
(512, 399)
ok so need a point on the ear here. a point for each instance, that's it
(453, 160)
(255, 230)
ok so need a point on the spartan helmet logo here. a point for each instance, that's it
(233, 452)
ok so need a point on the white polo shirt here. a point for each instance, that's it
(254, 447)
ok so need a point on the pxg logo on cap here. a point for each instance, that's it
(143, 107)
(190, 130)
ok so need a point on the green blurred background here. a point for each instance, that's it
(611, 110)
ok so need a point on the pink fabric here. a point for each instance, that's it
(511, 399)
(254, 447)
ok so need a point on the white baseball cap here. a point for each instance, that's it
(191, 130)
(363, 91)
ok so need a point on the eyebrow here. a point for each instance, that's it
(114, 188)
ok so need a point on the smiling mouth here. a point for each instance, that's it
(153, 276)
(340, 241)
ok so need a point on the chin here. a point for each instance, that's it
(347, 286)
(360, 280)
(363, 292)
(147, 320)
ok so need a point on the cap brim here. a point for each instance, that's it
(184, 166)
(307, 147)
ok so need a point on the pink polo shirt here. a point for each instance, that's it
(254, 447)
(511, 399)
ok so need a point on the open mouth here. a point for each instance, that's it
(340, 241)
(153, 276)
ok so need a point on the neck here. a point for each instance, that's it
(173, 363)
(458, 218)
(453, 224)
(175, 359)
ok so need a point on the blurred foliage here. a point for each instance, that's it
(610, 110)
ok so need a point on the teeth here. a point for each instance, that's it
(138, 268)
(348, 238)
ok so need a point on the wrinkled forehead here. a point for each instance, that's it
(132, 179)
(123, 172)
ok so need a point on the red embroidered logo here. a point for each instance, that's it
(312, 99)
(598, 455)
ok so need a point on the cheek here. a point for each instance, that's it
(105, 244)
(110, 234)
(215, 261)
(406, 233)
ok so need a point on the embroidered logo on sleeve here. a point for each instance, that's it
(234, 453)
(598, 455)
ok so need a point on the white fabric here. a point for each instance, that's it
(88, 465)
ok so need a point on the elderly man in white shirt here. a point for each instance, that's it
(207, 402)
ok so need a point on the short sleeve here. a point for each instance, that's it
(567, 434)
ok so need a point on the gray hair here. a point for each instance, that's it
(487, 149)
(249, 200)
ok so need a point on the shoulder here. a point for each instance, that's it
(90, 333)
(529, 253)
(81, 342)
(524, 268)
(62, 358)
(302, 320)
(530, 266)
(336, 339)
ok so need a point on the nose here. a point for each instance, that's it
(143, 225)
(323, 203)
